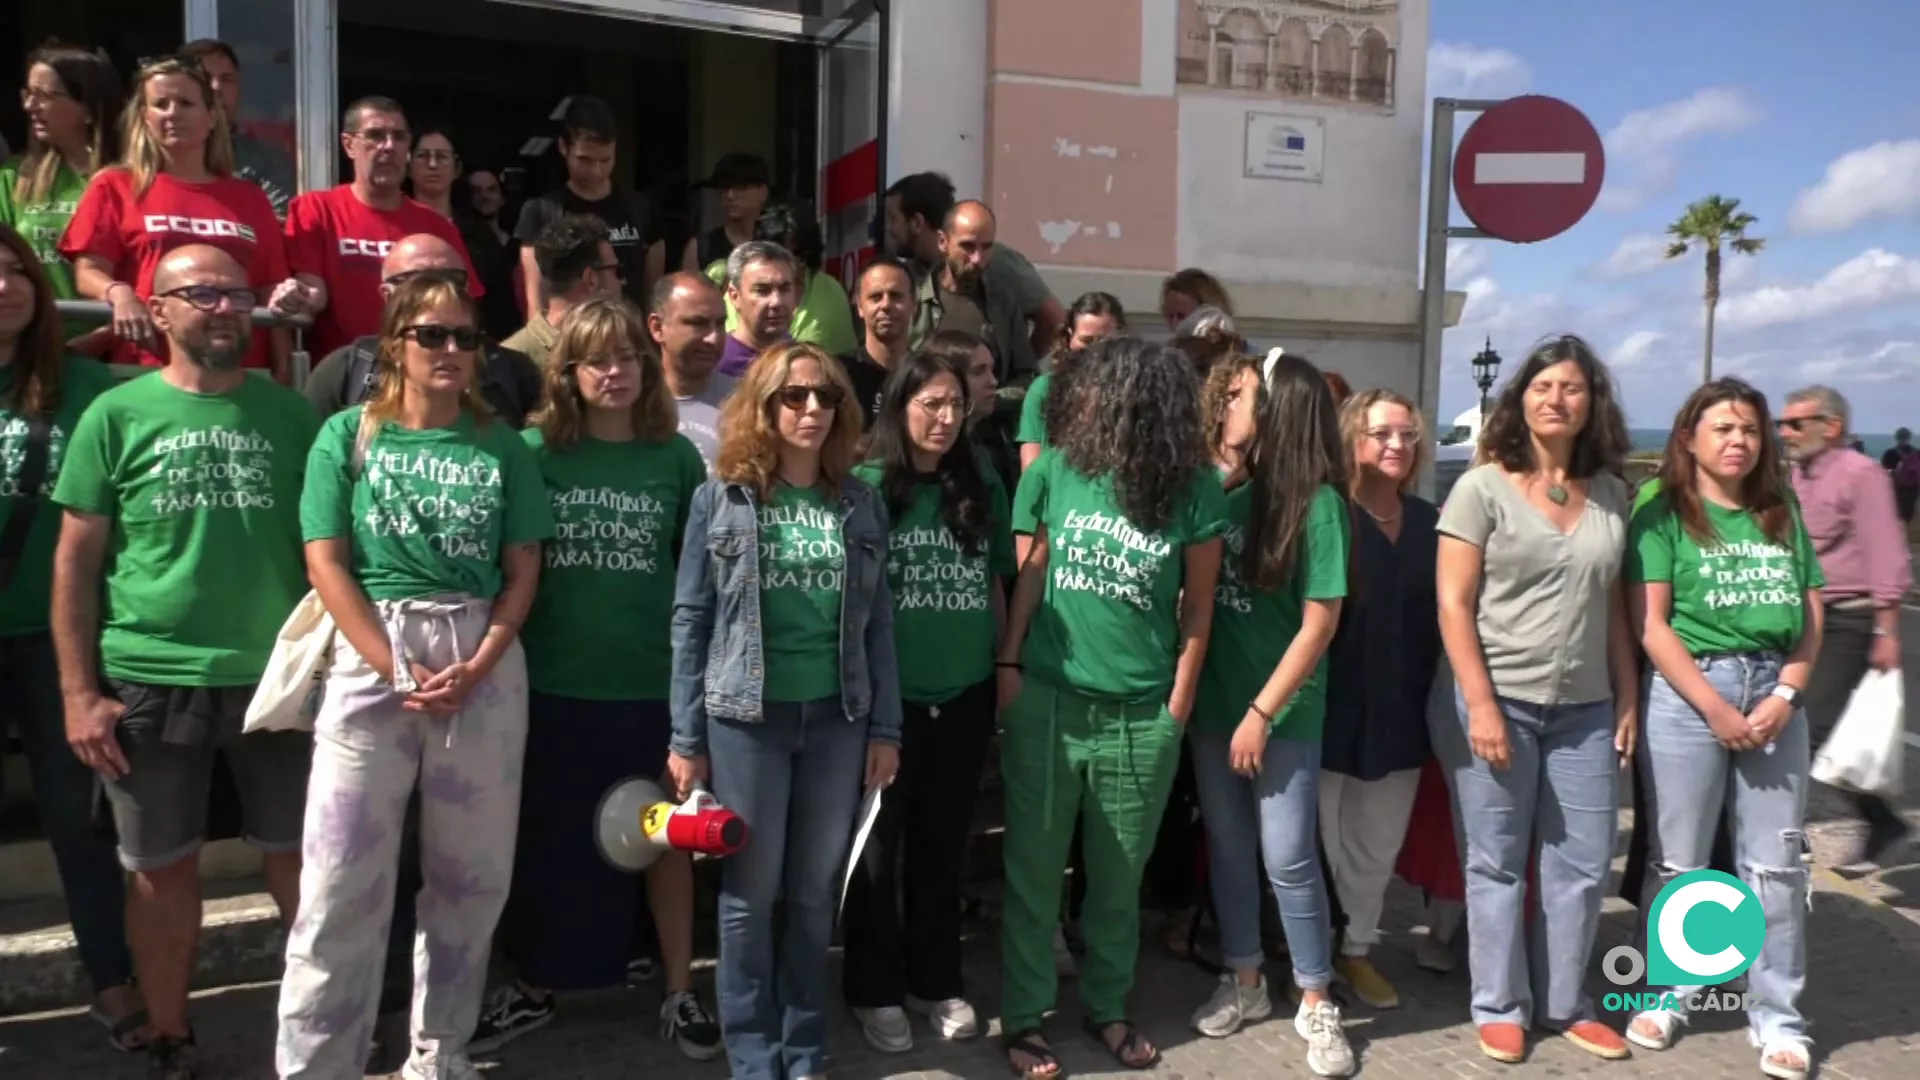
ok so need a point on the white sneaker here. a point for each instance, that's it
(427, 1065)
(886, 1029)
(950, 1019)
(1232, 1006)
(1328, 1053)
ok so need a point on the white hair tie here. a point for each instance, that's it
(1266, 366)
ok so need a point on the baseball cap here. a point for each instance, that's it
(738, 170)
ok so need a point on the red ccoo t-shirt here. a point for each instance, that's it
(342, 241)
(134, 234)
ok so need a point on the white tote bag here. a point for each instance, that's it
(288, 697)
(1865, 750)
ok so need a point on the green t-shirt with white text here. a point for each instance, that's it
(204, 560)
(1033, 412)
(25, 600)
(600, 625)
(428, 512)
(1253, 628)
(943, 622)
(42, 223)
(1742, 593)
(803, 563)
(1108, 625)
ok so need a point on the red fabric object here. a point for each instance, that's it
(1428, 857)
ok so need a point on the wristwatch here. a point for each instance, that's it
(1788, 694)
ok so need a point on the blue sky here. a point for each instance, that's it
(1808, 113)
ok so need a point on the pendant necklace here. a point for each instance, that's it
(1557, 494)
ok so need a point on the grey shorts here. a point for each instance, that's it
(170, 735)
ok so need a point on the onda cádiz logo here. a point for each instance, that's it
(1704, 929)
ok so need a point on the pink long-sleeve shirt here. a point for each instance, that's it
(1847, 502)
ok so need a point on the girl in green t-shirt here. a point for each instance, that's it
(1098, 670)
(1256, 728)
(949, 550)
(1724, 589)
(423, 518)
(1094, 316)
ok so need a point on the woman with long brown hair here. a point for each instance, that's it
(1187, 291)
(42, 394)
(423, 519)
(785, 689)
(1725, 595)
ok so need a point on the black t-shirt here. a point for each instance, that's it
(867, 378)
(629, 225)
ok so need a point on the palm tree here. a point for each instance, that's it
(1710, 223)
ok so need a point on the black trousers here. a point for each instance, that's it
(901, 924)
(1838, 669)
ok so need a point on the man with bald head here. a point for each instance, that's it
(179, 558)
(345, 377)
(689, 324)
(960, 293)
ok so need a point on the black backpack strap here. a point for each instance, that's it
(33, 473)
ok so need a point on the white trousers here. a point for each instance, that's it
(1362, 823)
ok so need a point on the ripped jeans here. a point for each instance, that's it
(1691, 780)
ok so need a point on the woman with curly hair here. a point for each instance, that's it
(1098, 671)
(784, 680)
(1533, 617)
(1094, 316)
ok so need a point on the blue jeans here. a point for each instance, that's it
(796, 776)
(1763, 793)
(1275, 816)
(90, 873)
(1559, 795)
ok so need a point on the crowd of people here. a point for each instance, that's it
(728, 526)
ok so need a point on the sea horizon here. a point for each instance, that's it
(1656, 439)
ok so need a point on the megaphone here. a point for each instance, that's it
(637, 823)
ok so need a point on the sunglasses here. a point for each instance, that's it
(456, 276)
(1799, 423)
(435, 338)
(795, 395)
(208, 297)
(615, 269)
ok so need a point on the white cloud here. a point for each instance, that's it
(1465, 260)
(1636, 254)
(1635, 349)
(1873, 278)
(1456, 69)
(1888, 362)
(1643, 148)
(1880, 181)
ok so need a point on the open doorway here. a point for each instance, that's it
(127, 30)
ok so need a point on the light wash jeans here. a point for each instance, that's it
(1764, 794)
(795, 775)
(1559, 796)
(368, 754)
(1271, 817)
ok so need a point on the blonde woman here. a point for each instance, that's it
(423, 519)
(175, 186)
(785, 690)
(620, 479)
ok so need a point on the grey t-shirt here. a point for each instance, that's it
(1543, 593)
(700, 417)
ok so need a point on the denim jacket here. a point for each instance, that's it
(718, 669)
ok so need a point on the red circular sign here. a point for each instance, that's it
(1528, 169)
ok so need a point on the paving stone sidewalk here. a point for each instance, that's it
(1864, 981)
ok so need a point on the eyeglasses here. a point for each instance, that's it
(607, 359)
(941, 408)
(383, 136)
(434, 337)
(613, 268)
(794, 395)
(456, 277)
(1798, 424)
(31, 96)
(435, 157)
(208, 297)
(1389, 436)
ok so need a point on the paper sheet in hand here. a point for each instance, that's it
(869, 813)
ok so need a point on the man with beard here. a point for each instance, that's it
(179, 558)
(687, 322)
(760, 286)
(884, 298)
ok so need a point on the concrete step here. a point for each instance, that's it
(27, 870)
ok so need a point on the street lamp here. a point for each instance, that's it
(1486, 368)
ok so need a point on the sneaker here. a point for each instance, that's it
(1063, 962)
(1232, 1006)
(642, 971)
(1328, 1052)
(952, 1018)
(1366, 982)
(173, 1057)
(427, 1065)
(687, 1024)
(886, 1028)
(510, 1013)
(1433, 954)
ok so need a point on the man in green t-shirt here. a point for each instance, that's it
(179, 558)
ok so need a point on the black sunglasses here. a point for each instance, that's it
(435, 338)
(795, 395)
(452, 275)
(208, 297)
(1799, 423)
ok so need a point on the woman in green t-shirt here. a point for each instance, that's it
(1256, 726)
(1724, 589)
(1098, 670)
(423, 519)
(948, 552)
(619, 479)
(1094, 316)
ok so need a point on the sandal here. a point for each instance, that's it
(123, 1034)
(1126, 1050)
(1666, 1021)
(1800, 1048)
(1028, 1042)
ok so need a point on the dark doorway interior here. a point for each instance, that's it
(128, 30)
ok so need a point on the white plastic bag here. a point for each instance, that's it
(288, 697)
(1865, 750)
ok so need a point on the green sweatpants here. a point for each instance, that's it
(1113, 764)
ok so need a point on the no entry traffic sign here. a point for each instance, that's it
(1528, 169)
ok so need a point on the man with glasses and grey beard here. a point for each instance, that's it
(179, 558)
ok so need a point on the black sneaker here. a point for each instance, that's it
(171, 1057)
(509, 1014)
(685, 1022)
